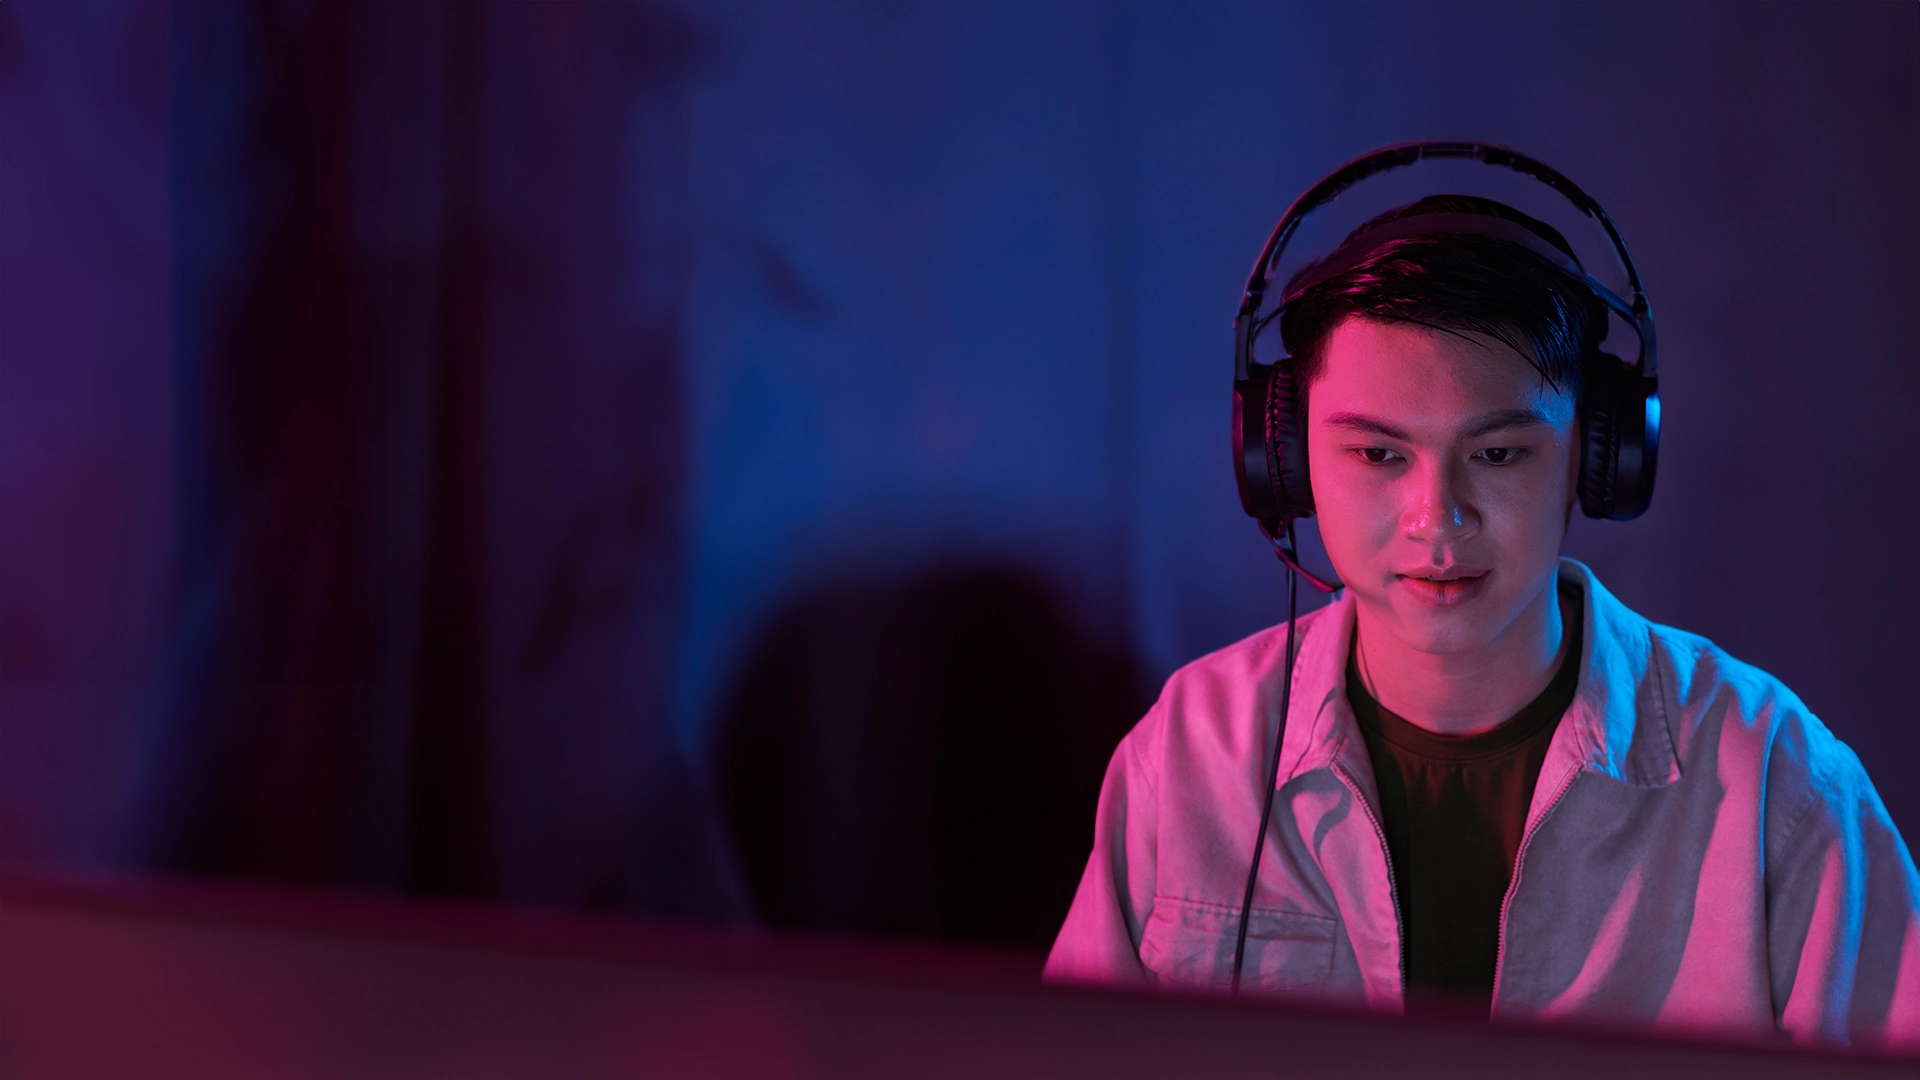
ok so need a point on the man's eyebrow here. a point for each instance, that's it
(1484, 424)
(1367, 424)
(1503, 420)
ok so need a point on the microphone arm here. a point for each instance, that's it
(1283, 547)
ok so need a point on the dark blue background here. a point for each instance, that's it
(426, 431)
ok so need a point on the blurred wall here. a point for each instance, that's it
(708, 376)
(1023, 231)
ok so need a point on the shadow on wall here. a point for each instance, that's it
(921, 758)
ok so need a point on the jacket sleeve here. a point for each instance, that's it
(1843, 915)
(1100, 940)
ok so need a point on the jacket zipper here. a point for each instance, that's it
(1513, 886)
(1393, 887)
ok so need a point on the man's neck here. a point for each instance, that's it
(1464, 693)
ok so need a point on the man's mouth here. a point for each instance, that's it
(1445, 588)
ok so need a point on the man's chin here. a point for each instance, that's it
(1447, 630)
(1443, 640)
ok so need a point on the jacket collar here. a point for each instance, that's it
(1617, 724)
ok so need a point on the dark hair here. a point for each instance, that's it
(1456, 282)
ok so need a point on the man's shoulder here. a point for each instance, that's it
(1257, 660)
(1722, 716)
(1220, 703)
(1724, 710)
(1702, 672)
(1695, 677)
(1745, 729)
(1712, 686)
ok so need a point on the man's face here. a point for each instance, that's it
(1442, 469)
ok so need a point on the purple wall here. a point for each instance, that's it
(480, 429)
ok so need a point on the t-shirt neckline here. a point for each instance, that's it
(1510, 734)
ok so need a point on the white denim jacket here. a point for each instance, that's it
(1701, 853)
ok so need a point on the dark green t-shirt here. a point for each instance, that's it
(1453, 808)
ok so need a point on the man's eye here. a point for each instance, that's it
(1377, 455)
(1499, 455)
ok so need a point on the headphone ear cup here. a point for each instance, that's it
(1252, 462)
(1619, 440)
(1599, 436)
(1269, 458)
(1287, 444)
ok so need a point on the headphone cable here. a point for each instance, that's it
(1273, 774)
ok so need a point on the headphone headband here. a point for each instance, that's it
(1365, 243)
(1634, 310)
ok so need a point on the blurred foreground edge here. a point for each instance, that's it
(111, 979)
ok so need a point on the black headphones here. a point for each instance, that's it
(1620, 408)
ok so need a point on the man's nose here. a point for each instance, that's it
(1439, 511)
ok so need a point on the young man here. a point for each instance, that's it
(1497, 782)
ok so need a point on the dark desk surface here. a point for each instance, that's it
(148, 980)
